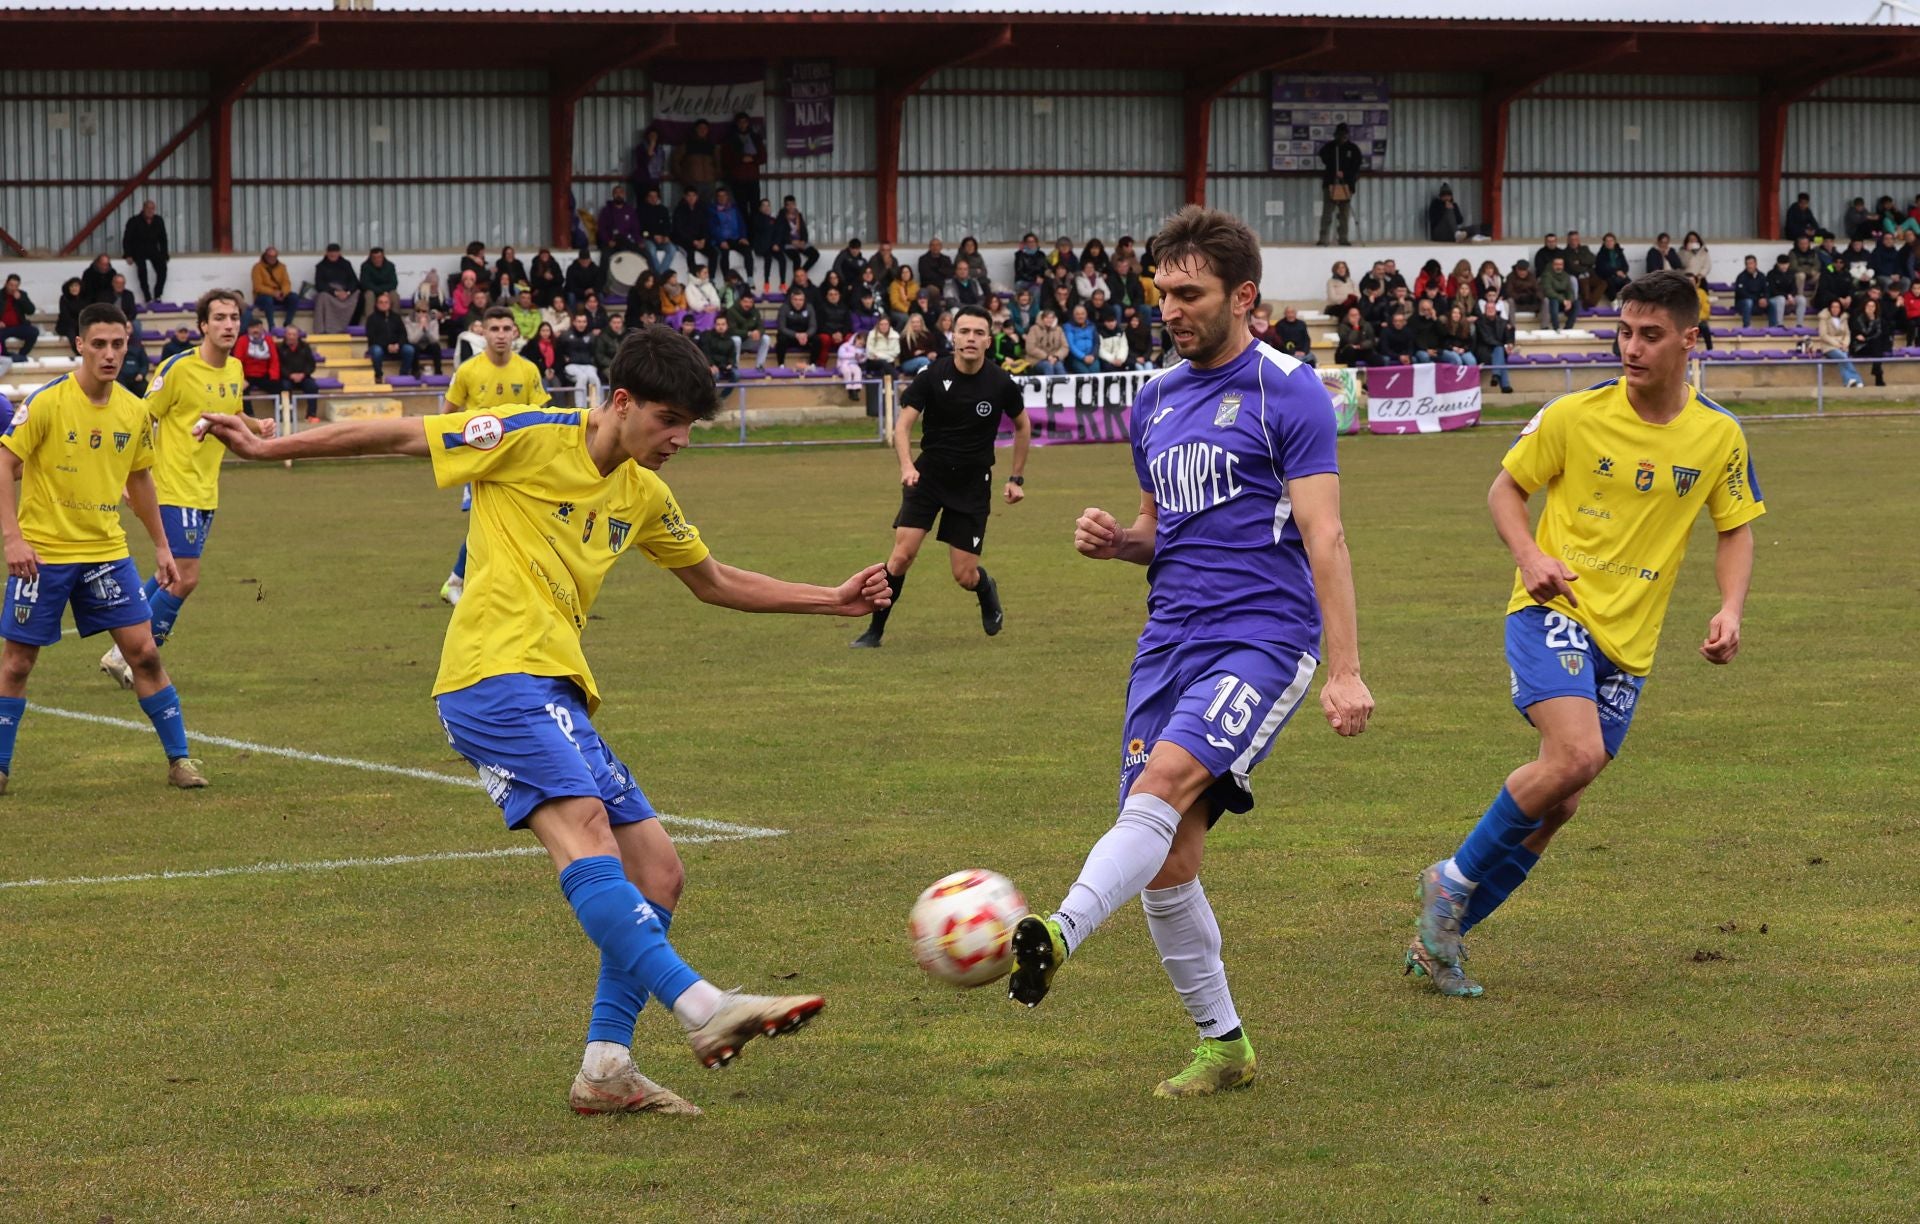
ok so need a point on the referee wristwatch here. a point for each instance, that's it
(1017, 480)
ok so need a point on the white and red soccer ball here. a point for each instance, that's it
(962, 927)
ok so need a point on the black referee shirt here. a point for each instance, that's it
(960, 413)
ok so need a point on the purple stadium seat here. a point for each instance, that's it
(303, 303)
(402, 380)
(781, 371)
(1719, 287)
(1605, 312)
(327, 384)
(1775, 355)
(357, 332)
(1606, 333)
(1779, 331)
(319, 358)
(749, 375)
(436, 380)
(1745, 355)
(614, 299)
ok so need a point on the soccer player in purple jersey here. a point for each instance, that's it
(1247, 565)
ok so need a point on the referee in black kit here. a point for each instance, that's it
(962, 397)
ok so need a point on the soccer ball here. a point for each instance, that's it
(962, 927)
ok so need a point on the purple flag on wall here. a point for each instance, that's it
(685, 92)
(809, 108)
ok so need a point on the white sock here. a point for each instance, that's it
(1452, 872)
(1118, 866)
(603, 1058)
(1188, 936)
(455, 579)
(696, 1004)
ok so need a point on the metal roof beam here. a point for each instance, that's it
(1204, 86)
(894, 86)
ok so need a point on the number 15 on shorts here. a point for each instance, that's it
(1232, 710)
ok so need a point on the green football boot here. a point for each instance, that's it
(1216, 1066)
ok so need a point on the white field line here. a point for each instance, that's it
(712, 830)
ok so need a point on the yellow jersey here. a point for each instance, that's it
(186, 469)
(545, 528)
(75, 458)
(1622, 496)
(479, 383)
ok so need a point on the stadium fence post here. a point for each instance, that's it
(740, 396)
(1820, 386)
(283, 418)
(886, 410)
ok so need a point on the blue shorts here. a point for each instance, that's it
(187, 529)
(1549, 654)
(530, 738)
(1224, 702)
(104, 595)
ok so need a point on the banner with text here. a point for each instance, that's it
(1099, 407)
(1304, 110)
(808, 108)
(685, 92)
(1422, 398)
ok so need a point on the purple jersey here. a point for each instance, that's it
(1216, 449)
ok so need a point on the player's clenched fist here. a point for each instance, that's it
(1096, 534)
(1348, 704)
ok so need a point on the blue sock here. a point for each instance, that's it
(12, 710)
(166, 611)
(1503, 827)
(617, 1000)
(1498, 886)
(624, 927)
(163, 709)
(460, 562)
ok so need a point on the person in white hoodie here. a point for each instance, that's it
(703, 296)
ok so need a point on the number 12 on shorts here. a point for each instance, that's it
(1237, 700)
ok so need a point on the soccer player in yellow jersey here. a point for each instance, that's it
(74, 445)
(1627, 466)
(494, 376)
(558, 496)
(186, 469)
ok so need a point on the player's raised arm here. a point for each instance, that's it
(746, 591)
(1543, 576)
(1316, 508)
(390, 436)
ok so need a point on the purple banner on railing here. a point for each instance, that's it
(687, 91)
(1099, 407)
(1422, 398)
(808, 108)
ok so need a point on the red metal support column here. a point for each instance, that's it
(563, 100)
(1778, 101)
(1204, 87)
(227, 91)
(1496, 111)
(892, 89)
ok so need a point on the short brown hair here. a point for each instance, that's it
(1669, 290)
(1225, 242)
(204, 307)
(101, 312)
(497, 312)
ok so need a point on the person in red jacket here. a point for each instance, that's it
(260, 359)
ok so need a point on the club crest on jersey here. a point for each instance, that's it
(1573, 661)
(1229, 410)
(587, 533)
(1683, 479)
(517, 387)
(1643, 478)
(120, 440)
(617, 533)
(93, 440)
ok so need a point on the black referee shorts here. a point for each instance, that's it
(960, 498)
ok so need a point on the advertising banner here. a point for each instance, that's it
(1422, 398)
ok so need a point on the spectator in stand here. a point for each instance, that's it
(1836, 284)
(1398, 344)
(526, 315)
(727, 233)
(296, 372)
(834, 319)
(133, 370)
(673, 299)
(742, 156)
(703, 298)
(935, 267)
(1341, 292)
(179, 342)
(1706, 312)
(865, 302)
(1662, 255)
(886, 265)
(918, 345)
(1783, 286)
(428, 292)
(1373, 305)
(1430, 337)
(1357, 341)
(1024, 310)
(760, 242)
(1432, 281)
(1800, 219)
(1291, 336)
(475, 261)
(618, 226)
(1695, 259)
(1750, 292)
(559, 316)
(654, 224)
(1260, 323)
(1836, 337)
(804, 283)
(574, 348)
(544, 352)
(1885, 260)
(1445, 221)
(67, 324)
(790, 237)
(1550, 250)
(798, 327)
(1457, 330)
(259, 360)
(900, 296)
(1062, 256)
(387, 338)
(1858, 222)
(1094, 254)
(883, 350)
(1029, 262)
(1806, 263)
(144, 242)
(1493, 341)
(1088, 281)
(1047, 344)
(1062, 300)
(850, 262)
(377, 276)
(1083, 343)
(1580, 262)
(1124, 286)
(16, 319)
(1521, 288)
(124, 299)
(1561, 299)
(272, 286)
(745, 327)
(717, 346)
(508, 275)
(336, 292)
(1139, 336)
(606, 346)
(423, 333)
(1390, 276)
(583, 275)
(1871, 339)
(596, 313)
(1339, 174)
(1488, 279)
(1099, 308)
(848, 356)
(1460, 290)
(967, 287)
(96, 282)
(696, 164)
(1110, 345)
(692, 229)
(652, 164)
(1009, 350)
(1909, 312)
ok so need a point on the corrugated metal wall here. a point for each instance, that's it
(1877, 140)
(371, 135)
(1595, 83)
(103, 135)
(1438, 136)
(608, 124)
(1871, 87)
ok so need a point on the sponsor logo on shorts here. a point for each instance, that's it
(1136, 754)
(1683, 479)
